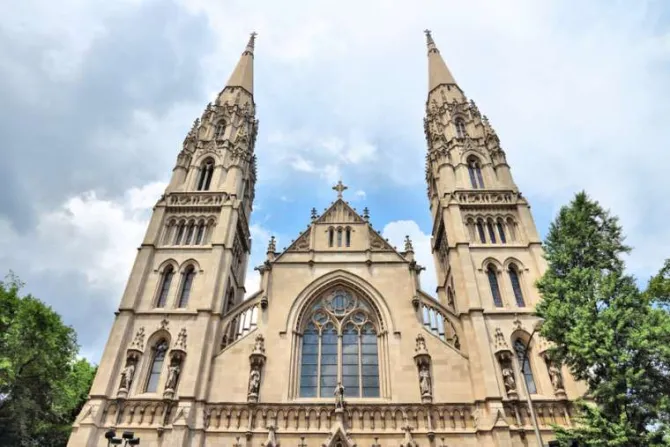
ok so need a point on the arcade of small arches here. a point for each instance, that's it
(492, 229)
(340, 236)
(188, 231)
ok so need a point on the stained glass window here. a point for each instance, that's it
(524, 366)
(156, 366)
(168, 273)
(493, 283)
(339, 344)
(516, 286)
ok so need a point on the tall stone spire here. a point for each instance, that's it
(438, 73)
(243, 75)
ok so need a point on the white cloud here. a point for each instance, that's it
(396, 231)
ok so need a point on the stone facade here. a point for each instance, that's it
(340, 346)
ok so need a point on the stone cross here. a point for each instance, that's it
(427, 32)
(340, 188)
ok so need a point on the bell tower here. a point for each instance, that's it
(486, 247)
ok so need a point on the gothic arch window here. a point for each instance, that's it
(480, 231)
(475, 172)
(166, 280)
(206, 173)
(190, 230)
(511, 228)
(492, 233)
(219, 130)
(339, 237)
(200, 233)
(168, 231)
(157, 361)
(513, 272)
(179, 234)
(339, 343)
(330, 236)
(524, 366)
(347, 237)
(501, 231)
(493, 284)
(186, 285)
(230, 300)
(460, 128)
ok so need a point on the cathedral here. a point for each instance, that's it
(340, 347)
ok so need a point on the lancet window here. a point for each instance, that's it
(219, 130)
(156, 366)
(524, 366)
(339, 343)
(493, 284)
(475, 172)
(166, 280)
(206, 174)
(513, 272)
(460, 128)
(186, 285)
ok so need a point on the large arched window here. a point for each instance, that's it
(475, 171)
(513, 272)
(206, 173)
(186, 284)
(524, 366)
(460, 127)
(339, 343)
(166, 280)
(156, 366)
(493, 283)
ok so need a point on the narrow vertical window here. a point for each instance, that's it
(501, 232)
(524, 366)
(460, 128)
(339, 237)
(369, 361)
(329, 343)
(220, 130)
(475, 172)
(200, 235)
(492, 233)
(493, 283)
(309, 370)
(511, 228)
(480, 231)
(516, 285)
(188, 240)
(347, 237)
(330, 237)
(156, 366)
(187, 282)
(206, 173)
(350, 365)
(179, 234)
(166, 280)
(230, 300)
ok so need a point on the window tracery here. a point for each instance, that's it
(186, 285)
(166, 280)
(339, 342)
(156, 369)
(475, 172)
(513, 273)
(524, 366)
(493, 284)
(205, 177)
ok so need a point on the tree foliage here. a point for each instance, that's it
(42, 383)
(611, 335)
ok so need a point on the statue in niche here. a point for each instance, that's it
(339, 396)
(254, 382)
(420, 344)
(173, 375)
(555, 376)
(508, 378)
(127, 374)
(424, 381)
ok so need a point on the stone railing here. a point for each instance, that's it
(435, 320)
(196, 199)
(503, 197)
(242, 320)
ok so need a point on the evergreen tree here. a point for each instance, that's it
(42, 383)
(610, 334)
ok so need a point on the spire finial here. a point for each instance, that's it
(438, 73)
(430, 42)
(250, 45)
(340, 188)
(243, 74)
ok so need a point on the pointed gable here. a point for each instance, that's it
(340, 213)
(302, 243)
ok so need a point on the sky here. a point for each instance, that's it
(97, 97)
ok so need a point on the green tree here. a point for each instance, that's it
(42, 383)
(610, 334)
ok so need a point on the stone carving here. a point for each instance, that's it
(425, 381)
(180, 344)
(500, 343)
(408, 441)
(272, 437)
(272, 245)
(555, 376)
(477, 197)
(259, 344)
(420, 344)
(138, 341)
(339, 396)
(197, 200)
(408, 244)
(302, 244)
(174, 370)
(254, 383)
(508, 378)
(127, 375)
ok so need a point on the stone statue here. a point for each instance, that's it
(127, 375)
(508, 378)
(259, 344)
(556, 377)
(254, 382)
(173, 376)
(420, 344)
(339, 396)
(424, 381)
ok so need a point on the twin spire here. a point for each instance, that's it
(243, 75)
